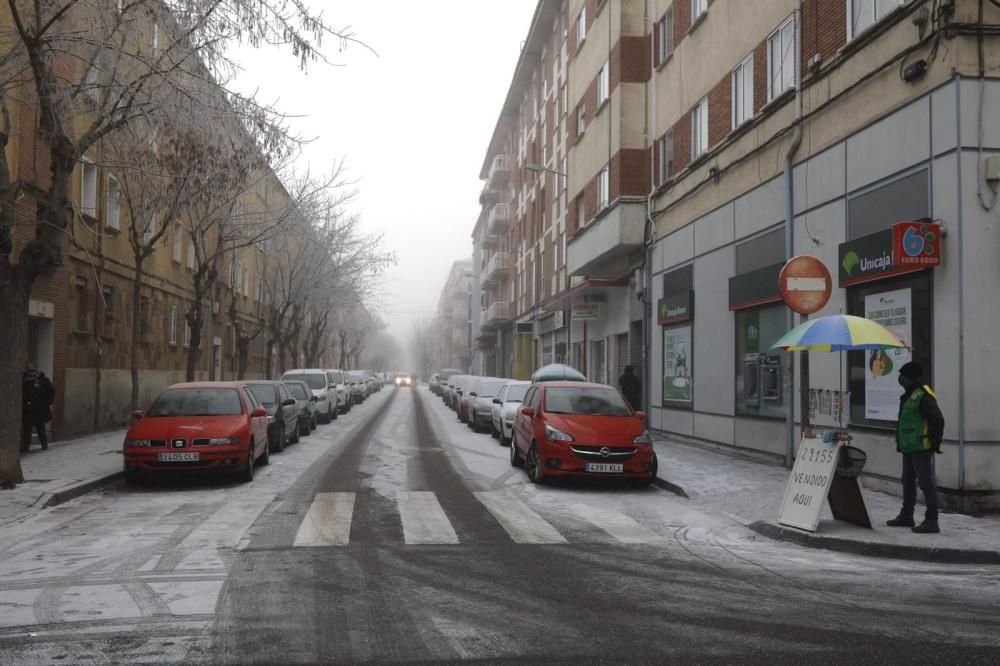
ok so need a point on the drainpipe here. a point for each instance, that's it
(790, 240)
(649, 233)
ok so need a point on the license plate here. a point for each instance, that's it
(604, 467)
(179, 457)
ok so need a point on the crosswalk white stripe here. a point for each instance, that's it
(424, 521)
(328, 521)
(623, 528)
(522, 524)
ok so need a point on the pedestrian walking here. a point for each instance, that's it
(919, 431)
(37, 395)
(631, 387)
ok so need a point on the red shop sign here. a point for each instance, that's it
(916, 244)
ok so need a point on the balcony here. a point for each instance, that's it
(602, 248)
(500, 170)
(490, 242)
(489, 196)
(497, 267)
(496, 314)
(498, 221)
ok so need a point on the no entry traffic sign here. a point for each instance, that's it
(805, 284)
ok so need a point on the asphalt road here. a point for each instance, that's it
(396, 534)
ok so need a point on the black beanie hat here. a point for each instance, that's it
(912, 370)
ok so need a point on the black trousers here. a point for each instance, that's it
(26, 427)
(918, 472)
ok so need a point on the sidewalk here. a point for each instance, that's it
(68, 469)
(750, 493)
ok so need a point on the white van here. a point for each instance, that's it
(321, 387)
(339, 379)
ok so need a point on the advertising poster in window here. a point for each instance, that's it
(677, 364)
(892, 309)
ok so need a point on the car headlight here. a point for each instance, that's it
(223, 441)
(139, 443)
(555, 435)
(643, 438)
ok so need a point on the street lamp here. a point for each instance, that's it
(538, 168)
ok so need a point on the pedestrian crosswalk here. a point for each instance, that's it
(329, 519)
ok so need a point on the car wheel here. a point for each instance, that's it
(279, 442)
(295, 438)
(246, 473)
(494, 433)
(305, 428)
(334, 412)
(536, 471)
(265, 458)
(503, 440)
(515, 457)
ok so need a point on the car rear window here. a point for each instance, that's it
(336, 377)
(315, 379)
(589, 401)
(298, 390)
(515, 393)
(264, 393)
(197, 402)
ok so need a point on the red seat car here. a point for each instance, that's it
(580, 429)
(217, 426)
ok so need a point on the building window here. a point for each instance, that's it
(665, 36)
(88, 189)
(191, 254)
(699, 129)
(603, 188)
(781, 59)
(666, 150)
(580, 27)
(154, 41)
(698, 7)
(677, 362)
(232, 273)
(761, 384)
(187, 332)
(82, 311)
(246, 280)
(150, 230)
(743, 92)
(108, 302)
(603, 82)
(178, 243)
(581, 119)
(862, 14)
(581, 214)
(112, 220)
(173, 324)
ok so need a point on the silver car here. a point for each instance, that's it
(481, 403)
(504, 407)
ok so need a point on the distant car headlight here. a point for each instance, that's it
(555, 435)
(644, 438)
(139, 443)
(224, 441)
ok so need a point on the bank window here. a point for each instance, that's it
(903, 305)
(761, 372)
(781, 59)
(862, 14)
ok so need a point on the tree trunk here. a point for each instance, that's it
(136, 333)
(282, 356)
(14, 324)
(243, 347)
(269, 359)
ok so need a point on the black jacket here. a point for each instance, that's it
(930, 412)
(37, 396)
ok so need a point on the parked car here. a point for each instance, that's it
(306, 402)
(581, 429)
(322, 388)
(217, 426)
(455, 391)
(282, 413)
(504, 407)
(481, 403)
(339, 380)
(470, 385)
(403, 379)
(432, 383)
(359, 389)
(443, 377)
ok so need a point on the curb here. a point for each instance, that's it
(669, 487)
(78, 489)
(868, 549)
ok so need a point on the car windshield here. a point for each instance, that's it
(589, 401)
(490, 389)
(315, 379)
(197, 402)
(515, 392)
(336, 377)
(297, 390)
(264, 393)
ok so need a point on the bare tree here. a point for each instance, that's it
(92, 68)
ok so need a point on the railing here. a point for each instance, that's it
(496, 312)
(499, 264)
(500, 169)
(498, 221)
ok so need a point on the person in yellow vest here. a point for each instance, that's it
(918, 437)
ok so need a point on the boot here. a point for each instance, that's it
(927, 527)
(901, 521)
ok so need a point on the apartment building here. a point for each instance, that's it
(816, 127)
(454, 318)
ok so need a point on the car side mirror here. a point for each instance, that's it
(313, 398)
(497, 401)
(137, 414)
(641, 415)
(288, 402)
(472, 395)
(258, 411)
(528, 411)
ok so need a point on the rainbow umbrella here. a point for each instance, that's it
(838, 333)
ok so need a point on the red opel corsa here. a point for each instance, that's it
(580, 429)
(218, 426)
